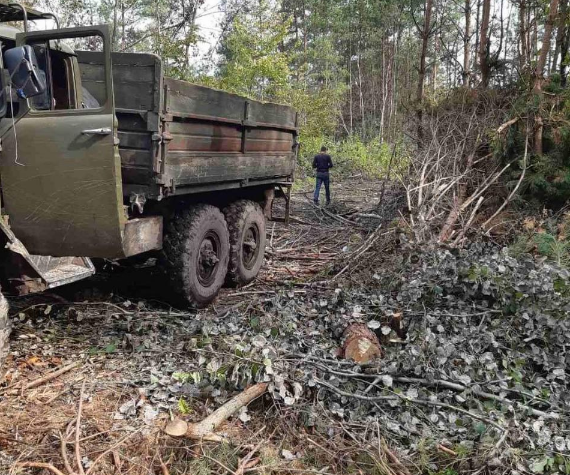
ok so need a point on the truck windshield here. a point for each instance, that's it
(58, 62)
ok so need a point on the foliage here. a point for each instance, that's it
(353, 155)
(253, 65)
(547, 180)
(547, 237)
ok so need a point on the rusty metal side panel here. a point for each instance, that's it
(189, 168)
(190, 100)
(214, 137)
(269, 140)
(204, 137)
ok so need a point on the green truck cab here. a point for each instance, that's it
(102, 156)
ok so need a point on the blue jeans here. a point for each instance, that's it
(322, 178)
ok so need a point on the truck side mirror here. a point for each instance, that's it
(25, 75)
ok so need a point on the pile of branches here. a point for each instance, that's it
(482, 370)
(478, 371)
(453, 181)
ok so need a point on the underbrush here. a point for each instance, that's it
(547, 179)
(351, 155)
(546, 236)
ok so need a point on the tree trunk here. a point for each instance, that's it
(434, 69)
(425, 34)
(477, 24)
(561, 33)
(466, 45)
(484, 44)
(564, 53)
(534, 37)
(539, 72)
(522, 36)
(123, 36)
(115, 26)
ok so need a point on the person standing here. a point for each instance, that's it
(322, 163)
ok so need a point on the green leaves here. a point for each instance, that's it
(254, 64)
(183, 407)
(542, 465)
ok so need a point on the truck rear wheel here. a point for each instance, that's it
(246, 224)
(4, 333)
(196, 251)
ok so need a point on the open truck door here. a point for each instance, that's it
(60, 166)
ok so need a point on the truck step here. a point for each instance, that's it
(66, 274)
(38, 273)
(56, 271)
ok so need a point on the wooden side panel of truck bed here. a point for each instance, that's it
(215, 136)
(191, 138)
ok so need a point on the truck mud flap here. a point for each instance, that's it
(280, 190)
(26, 273)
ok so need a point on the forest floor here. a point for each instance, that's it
(439, 400)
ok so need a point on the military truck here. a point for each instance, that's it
(103, 156)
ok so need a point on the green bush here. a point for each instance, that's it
(547, 180)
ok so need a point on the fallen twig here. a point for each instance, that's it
(64, 454)
(163, 467)
(393, 458)
(44, 379)
(361, 250)
(78, 430)
(47, 466)
(110, 449)
(443, 383)
(443, 448)
(204, 430)
(247, 461)
(424, 402)
(118, 464)
(507, 124)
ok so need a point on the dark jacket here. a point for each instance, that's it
(322, 162)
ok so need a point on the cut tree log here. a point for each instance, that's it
(205, 429)
(360, 344)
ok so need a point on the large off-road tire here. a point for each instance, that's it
(196, 252)
(246, 223)
(4, 333)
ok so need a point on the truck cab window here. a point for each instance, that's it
(58, 62)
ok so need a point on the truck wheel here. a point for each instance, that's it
(246, 224)
(196, 251)
(4, 333)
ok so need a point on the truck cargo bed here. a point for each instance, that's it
(185, 138)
